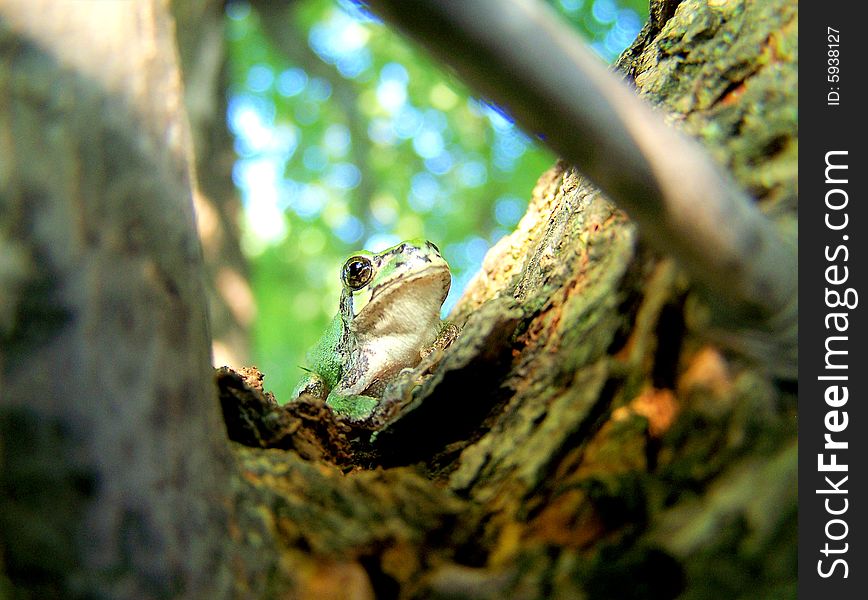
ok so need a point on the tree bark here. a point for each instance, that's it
(584, 437)
(114, 462)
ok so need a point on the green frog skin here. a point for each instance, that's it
(389, 315)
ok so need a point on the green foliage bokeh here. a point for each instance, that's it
(349, 137)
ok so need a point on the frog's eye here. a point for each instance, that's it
(357, 272)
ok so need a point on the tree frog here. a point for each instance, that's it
(389, 317)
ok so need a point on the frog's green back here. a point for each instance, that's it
(323, 358)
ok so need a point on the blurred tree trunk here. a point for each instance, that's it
(113, 461)
(582, 438)
(199, 27)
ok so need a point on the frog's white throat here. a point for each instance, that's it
(398, 322)
(409, 306)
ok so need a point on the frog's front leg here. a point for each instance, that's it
(354, 407)
(313, 385)
(447, 334)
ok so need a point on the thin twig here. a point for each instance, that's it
(520, 55)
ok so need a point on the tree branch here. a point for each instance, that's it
(518, 54)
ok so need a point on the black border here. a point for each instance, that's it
(823, 128)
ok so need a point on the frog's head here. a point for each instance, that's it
(401, 285)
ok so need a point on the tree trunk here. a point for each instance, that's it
(584, 437)
(113, 457)
(202, 52)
